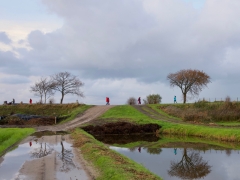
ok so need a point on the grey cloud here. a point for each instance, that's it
(9, 64)
(4, 38)
(120, 39)
(14, 80)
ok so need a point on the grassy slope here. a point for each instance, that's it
(10, 136)
(111, 165)
(130, 113)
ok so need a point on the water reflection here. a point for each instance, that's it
(185, 160)
(191, 166)
(66, 156)
(39, 156)
(44, 149)
(125, 139)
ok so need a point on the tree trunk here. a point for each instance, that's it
(45, 98)
(184, 97)
(62, 99)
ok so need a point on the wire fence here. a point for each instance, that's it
(230, 99)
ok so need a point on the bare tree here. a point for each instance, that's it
(66, 83)
(43, 89)
(189, 80)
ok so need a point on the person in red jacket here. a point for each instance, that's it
(107, 101)
(30, 101)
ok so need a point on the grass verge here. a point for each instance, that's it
(10, 136)
(111, 165)
(131, 114)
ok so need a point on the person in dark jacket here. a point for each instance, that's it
(139, 100)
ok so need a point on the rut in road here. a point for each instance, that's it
(87, 116)
(155, 115)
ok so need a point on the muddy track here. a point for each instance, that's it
(158, 116)
(87, 116)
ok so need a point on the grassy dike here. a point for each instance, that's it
(10, 136)
(111, 165)
(129, 113)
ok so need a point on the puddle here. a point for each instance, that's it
(44, 155)
(187, 163)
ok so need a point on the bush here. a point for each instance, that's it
(153, 99)
(132, 101)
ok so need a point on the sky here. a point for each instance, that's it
(119, 49)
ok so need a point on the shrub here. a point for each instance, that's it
(132, 101)
(153, 99)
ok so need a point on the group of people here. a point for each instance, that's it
(108, 100)
(139, 100)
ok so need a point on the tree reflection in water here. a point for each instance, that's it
(191, 166)
(66, 157)
(154, 150)
(42, 151)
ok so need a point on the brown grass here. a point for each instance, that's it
(205, 112)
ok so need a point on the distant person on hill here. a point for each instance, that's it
(107, 101)
(139, 100)
(13, 101)
(30, 101)
(175, 99)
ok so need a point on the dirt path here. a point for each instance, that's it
(87, 116)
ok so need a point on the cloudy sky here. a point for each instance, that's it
(119, 48)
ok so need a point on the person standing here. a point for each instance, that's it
(175, 99)
(30, 101)
(13, 101)
(139, 100)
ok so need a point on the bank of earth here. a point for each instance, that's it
(100, 155)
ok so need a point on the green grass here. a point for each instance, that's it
(234, 123)
(131, 114)
(75, 112)
(157, 109)
(10, 136)
(109, 163)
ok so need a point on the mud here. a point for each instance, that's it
(125, 139)
(32, 122)
(122, 128)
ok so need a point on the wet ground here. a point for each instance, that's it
(43, 156)
(179, 160)
(125, 139)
